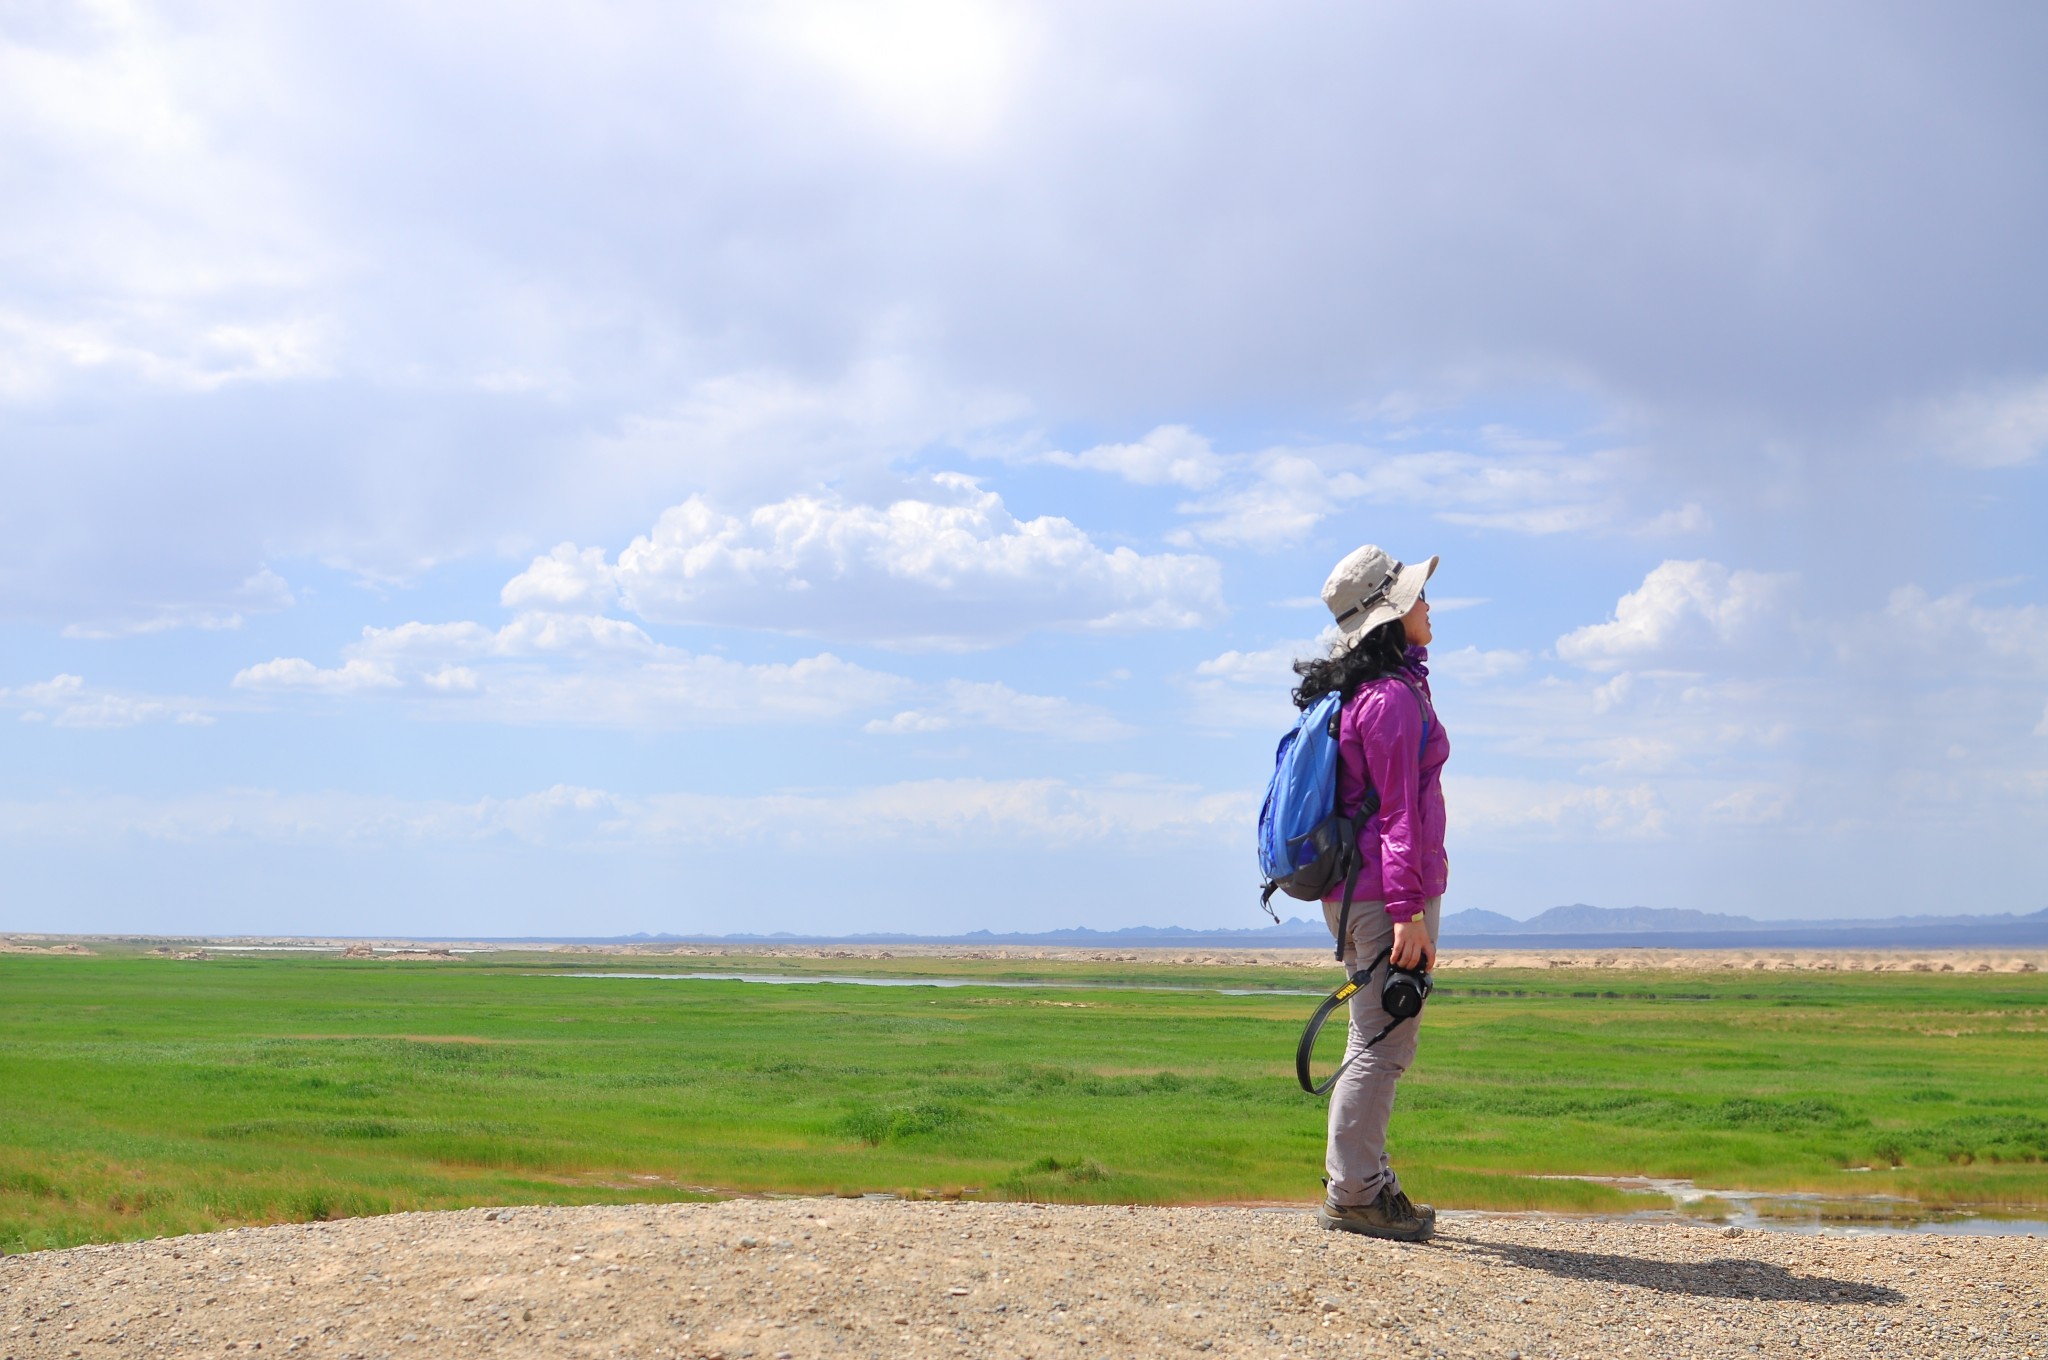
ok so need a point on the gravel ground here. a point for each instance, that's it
(795, 1278)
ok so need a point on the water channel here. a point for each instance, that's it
(786, 979)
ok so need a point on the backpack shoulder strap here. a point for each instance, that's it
(1428, 714)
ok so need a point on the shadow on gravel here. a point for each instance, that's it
(1727, 1278)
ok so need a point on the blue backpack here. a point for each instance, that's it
(1307, 843)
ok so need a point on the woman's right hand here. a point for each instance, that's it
(1412, 945)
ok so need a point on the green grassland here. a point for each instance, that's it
(140, 1096)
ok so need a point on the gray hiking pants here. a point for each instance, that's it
(1362, 1101)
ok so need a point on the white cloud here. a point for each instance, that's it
(954, 571)
(296, 673)
(1690, 518)
(1508, 439)
(194, 243)
(588, 670)
(748, 433)
(1248, 690)
(1473, 666)
(1170, 455)
(1989, 427)
(67, 701)
(677, 690)
(453, 680)
(1682, 732)
(1267, 667)
(1938, 633)
(578, 670)
(1455, 480)
(1133, 811)
(1286, 496)
(569, 579)
(1682, 605)
(36, 357)
(1614, 691)
(263, 592)
(1537, 520)
(909, 723)
(1136, 810)
(528, 635)
(1635, 755)
(1753, 805)
(995, 705)
(939, 74)
(162, 620)
(549, 665)
(1493, 805)
(1526, 487)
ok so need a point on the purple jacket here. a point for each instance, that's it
(1401, 846)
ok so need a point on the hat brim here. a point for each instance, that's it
(1401, 597)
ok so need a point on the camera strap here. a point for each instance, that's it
(1305, 1050)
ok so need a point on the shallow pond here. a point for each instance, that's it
(1797, 1212)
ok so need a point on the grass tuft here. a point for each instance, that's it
(875, 1126)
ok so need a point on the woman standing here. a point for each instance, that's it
(1389, 743)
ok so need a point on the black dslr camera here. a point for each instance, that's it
(1404, 991)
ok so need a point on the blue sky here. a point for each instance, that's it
(525, 469)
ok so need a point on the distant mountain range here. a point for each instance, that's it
(1575, 926)
(1673, 928)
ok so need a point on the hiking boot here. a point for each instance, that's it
(1391, 1216)
(1425, 1212)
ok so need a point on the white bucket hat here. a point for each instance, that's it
(1369, 588)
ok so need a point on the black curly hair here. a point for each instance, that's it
(1378, 654)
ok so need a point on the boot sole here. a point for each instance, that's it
(1422, 1232)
